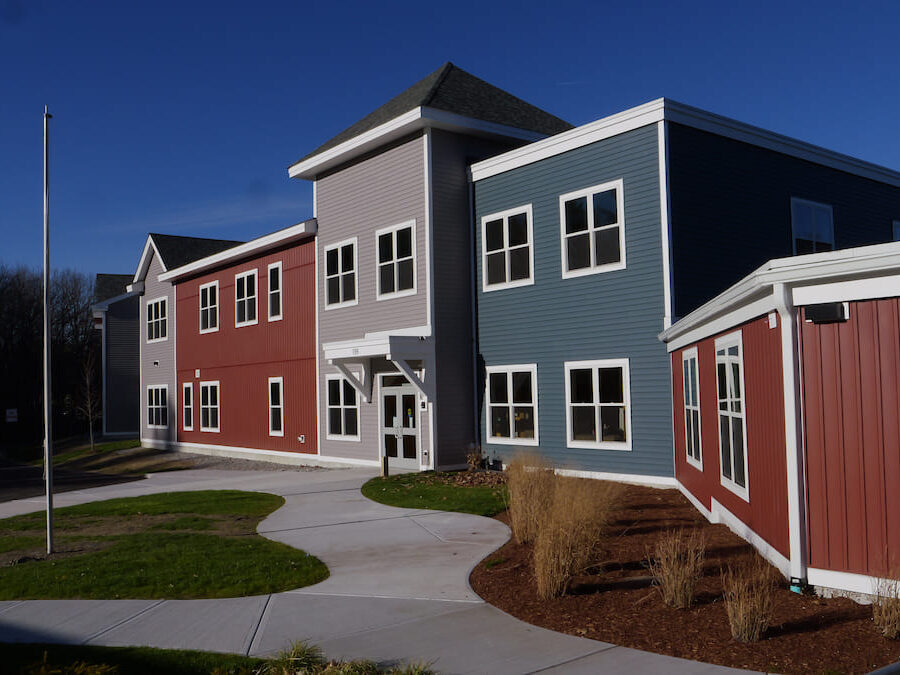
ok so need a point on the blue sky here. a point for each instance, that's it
(182, 117)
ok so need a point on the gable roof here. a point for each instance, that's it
(451, 89)
(174, 251)
(108, 286)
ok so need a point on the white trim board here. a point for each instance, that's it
(665, 482)
(279, 456)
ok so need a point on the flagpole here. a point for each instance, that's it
(48, 435)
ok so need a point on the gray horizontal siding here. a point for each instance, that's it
(604, 316)
(122, 387)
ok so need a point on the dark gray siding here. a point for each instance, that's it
(731, 209)
(123, 377)
(602, 316)
(452, 245)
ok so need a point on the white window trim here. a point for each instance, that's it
(187, 403)
(165, 388)
(725, 341)
(165, 300)
(325, 250)
(379, 296)
(211, 383)
(687, 355)
(243, 275)
(504, 216)
(626, 392)
(809, 202)
(335, 437)
(280, 381)
(617, 185)
(500, 440)
(280, 315)
(211, 284)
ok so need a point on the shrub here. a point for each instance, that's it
(570, 531)
(299, 658)
(530, 486)
(886, 608)
(749, 598)
(475, 458)
(676, 564)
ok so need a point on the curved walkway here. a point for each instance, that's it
(398, 589)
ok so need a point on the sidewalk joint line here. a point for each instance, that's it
(16, 603)
(343, 522)
(301, 591)
(574, 660)
(122, 622)
(262, 615)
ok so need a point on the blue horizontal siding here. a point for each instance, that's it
(610, 315)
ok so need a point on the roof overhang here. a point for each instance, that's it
(146, 256)
(850, 274)
(390, 347)
(415, 120)
(663, 109)
(103, 306)
(254, 247)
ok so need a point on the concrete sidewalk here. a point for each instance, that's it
(398, 589)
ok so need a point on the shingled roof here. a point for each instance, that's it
(452, 89)
(176, 250)
(108, 286)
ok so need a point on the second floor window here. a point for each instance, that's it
(275, 291)
(593, 230)
(209, 307)
(396, 260)
(245, 298)
(156, 320)
(340, 274)
(812, 225)
(506, 249)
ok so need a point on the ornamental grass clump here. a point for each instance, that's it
(676, 564)
(886, 608)
(530, 486)
(570, 532)
(749, 598)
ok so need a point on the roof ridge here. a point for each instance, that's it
(445, 70)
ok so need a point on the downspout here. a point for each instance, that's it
(796, 495)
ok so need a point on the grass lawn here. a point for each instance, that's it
(436, 491)
(62, 457)
(173, 545)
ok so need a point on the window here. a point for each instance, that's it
(276, 407)
(897, 230)
(275, 291)
(209, 307)
(690, 369)
(209, 406)
(506, 254)
(156, 320)
(732, 417)
(812, 226)
(396, 260)
(187, 392)
(592, 227)
(340, 275)
(512, 404)
(245, 299)
(598, 404)
(157, 407)
(343, 409)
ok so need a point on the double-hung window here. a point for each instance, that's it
(187, 393)
(396, 260)
(506, 249)
(275, 291)
(812, 225)
(340, 274)
(276, 406)
(157, 320)
(732, 413)
(343, 409)
(598, 405)
(157, 407)
(511, 398)
(245, 288)
(691, 373)
(209, 307)
(592, 229)
(209, 406)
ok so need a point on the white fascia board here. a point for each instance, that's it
(104, 305)
(135, 287)
(251, 248)
(396, 346)
(441, 119)
(144, 263)
(627, 120)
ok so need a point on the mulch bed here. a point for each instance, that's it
(476, 478)
(616, 602)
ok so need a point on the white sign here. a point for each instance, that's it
(12, 415)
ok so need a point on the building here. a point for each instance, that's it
(592, 241)
(786, 389)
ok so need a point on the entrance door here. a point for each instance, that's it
(399, 422)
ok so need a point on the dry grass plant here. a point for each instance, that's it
(886, 607)
(570, 532)
(676, 563)
(749, 598)
(530, 488)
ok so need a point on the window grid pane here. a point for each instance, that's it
(340, 274)
(342, 408)
(507, 249)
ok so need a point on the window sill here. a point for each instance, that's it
(487, 288)
(276, 434)
(353, 439)
(697, 464)
(398, 294)
(150, 342)
(246, 323)
(209, 431)
(587, 271)
(204, 331)
(340, 305)
(734, 488)
(502, 440)
(157, 426)
(275, 318)
(594, 445)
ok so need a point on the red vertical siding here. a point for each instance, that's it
(243, 359)
(766, 511)
(851, 372)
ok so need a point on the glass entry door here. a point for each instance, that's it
(399, 422)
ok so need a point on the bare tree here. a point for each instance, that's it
(89, 407)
